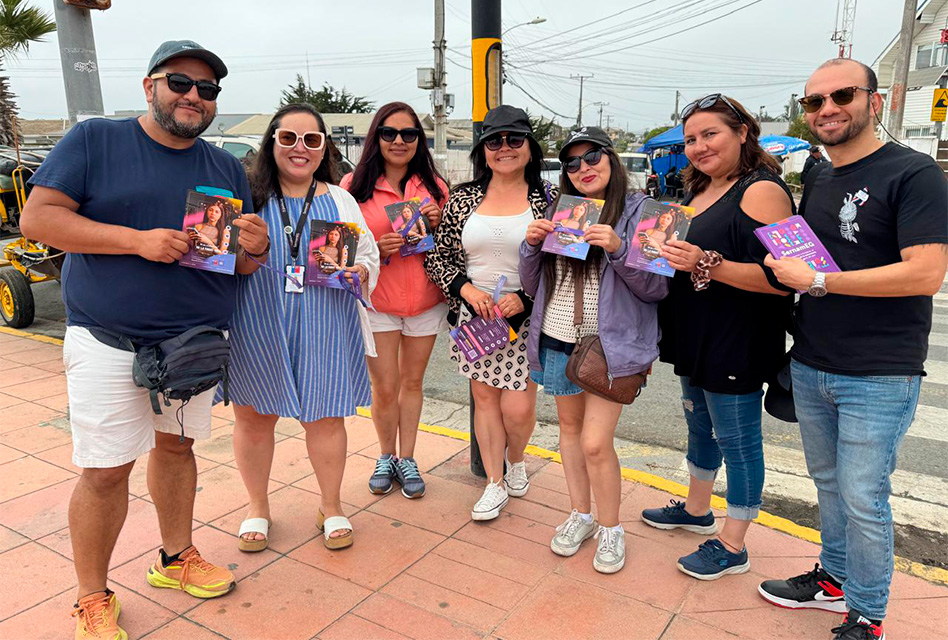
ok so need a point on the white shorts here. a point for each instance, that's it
(427, 323)
(112, 419)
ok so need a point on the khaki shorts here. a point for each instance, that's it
(112, 419)
(427, 323)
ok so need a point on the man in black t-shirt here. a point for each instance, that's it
(815, 158)
(881, 210)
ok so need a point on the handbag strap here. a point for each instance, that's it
(578, 304)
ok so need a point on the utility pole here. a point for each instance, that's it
(897, 91)
(486, 68)
(794, 105)
(439, 95)
(309, 85)
(675, 116)
(600, 105)
(608, 122)
(79, 61)
(579, 113)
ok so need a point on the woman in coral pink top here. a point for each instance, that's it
(410, 312)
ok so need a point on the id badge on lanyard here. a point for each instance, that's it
(294, 279)
(295, 273)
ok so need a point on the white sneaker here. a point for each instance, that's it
(571, 534)
(516, 478)
(492, 501)
(610, 554)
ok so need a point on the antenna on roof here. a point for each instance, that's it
(843, 28)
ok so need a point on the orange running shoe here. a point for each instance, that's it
(97, 617)
(193, 574)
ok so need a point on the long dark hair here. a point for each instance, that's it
(616, 190)
(372, 164)
(226, 209)
(264, 175)
(752, 154)
(483, 173)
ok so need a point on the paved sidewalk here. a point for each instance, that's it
(418, 569)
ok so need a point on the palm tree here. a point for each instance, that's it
(19, 26)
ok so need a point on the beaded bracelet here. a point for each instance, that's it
(701, 276)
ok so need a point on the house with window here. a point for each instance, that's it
(927, 71)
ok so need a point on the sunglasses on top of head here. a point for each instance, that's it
(409, 135)
(708, 102)
(841, 97)
(514, 140)
(591, 158)
(312, 140)
(180, 83)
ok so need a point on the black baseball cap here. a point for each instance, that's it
(592, 135)
(186, 49)
(506, 118)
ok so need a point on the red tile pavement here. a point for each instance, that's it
(418, 569)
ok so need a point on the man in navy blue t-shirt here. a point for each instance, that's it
(112, 194)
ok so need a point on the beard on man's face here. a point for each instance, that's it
(857, 124)
(164, 116)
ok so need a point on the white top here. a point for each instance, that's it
(492, 249)
(558, 319)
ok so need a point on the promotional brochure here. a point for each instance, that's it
(659, 223)
(208, 221)
(572, 217)
(478, 337)
(793, 238)
(408, 220)
(332, 248)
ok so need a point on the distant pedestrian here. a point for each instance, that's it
(815, 158)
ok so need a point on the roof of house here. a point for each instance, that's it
(925, 77)
(885, 61)
(42, 127)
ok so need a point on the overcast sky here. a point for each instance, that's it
(759, 54)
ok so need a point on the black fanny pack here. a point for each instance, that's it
(178, 368)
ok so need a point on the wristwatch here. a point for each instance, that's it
(818, 288)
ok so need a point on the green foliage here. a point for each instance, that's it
(648, 135)
(799, 129)
(20, 25)
(622, 145)
(326, 100)
(792, 178)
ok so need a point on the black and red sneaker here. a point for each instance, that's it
(858, 627)
(813, 590)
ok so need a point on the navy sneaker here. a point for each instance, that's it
(381, 480)
(814, 589)
(858, 627)
(674, 516)
(407, 475)
(712, 560)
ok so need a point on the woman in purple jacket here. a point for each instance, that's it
(620, 305)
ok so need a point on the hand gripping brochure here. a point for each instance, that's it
(659, 223)
(478, 337)
(572, 217)
(793, 238)
(408, 220)
(332, 248)
(212, 236)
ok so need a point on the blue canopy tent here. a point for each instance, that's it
(783, 145)
(673, 139)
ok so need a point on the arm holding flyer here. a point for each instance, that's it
(793, 238)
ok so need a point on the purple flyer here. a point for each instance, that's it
(793, 238)
(658, 223)
(212, 236)
(572, 217)
(478, 337)
(332, 248)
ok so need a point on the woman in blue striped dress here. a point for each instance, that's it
(298, 354)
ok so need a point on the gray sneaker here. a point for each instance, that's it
(515, 480)
(381, 480)
(610, 554)
(407, 475)
(571, 534)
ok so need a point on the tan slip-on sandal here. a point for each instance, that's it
(332, 524)
(253, 525)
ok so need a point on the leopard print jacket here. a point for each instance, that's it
(445, 263)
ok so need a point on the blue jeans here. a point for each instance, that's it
(851, 428)
(724, 426)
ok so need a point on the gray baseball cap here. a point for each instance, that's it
(186, 49)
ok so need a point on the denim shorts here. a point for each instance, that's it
(553, 376)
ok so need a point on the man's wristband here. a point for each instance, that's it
(262, 253)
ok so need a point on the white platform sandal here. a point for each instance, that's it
(330, 525)
(253, 525)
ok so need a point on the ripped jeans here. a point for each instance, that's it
(724, 426)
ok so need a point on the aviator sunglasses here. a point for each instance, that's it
(841, 97)
(388, 134)
(591, 157)
(180, 83)
(514, 141)
(312, 140)
(707, 102)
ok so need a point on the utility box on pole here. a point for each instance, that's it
(79, 61)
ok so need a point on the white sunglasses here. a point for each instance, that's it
(312, 140)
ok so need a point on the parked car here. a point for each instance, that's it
(551, 170)
(244, 147)
(641, 177)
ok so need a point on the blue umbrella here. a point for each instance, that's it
(782, 145)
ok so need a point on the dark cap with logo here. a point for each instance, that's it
(506, 118)
(186, 49)
(592, 135)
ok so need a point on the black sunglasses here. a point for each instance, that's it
(514, 140)
(408, 135)
(841, 97)
(707, 102)
(180, 83)
(591, 157)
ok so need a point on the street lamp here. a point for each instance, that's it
(537, 20)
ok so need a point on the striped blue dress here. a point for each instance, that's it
(296, 355)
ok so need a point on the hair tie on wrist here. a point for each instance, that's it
(701, 276)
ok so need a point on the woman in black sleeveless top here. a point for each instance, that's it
(723, 326)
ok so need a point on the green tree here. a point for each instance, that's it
(20, 25)
(799, 129)
(648, 135)
(326, 100)
(543, 131)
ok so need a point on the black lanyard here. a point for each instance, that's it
(293, 237)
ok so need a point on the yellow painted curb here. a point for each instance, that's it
(917, 569)
(31, 336)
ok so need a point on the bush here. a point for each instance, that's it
(792, 178)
